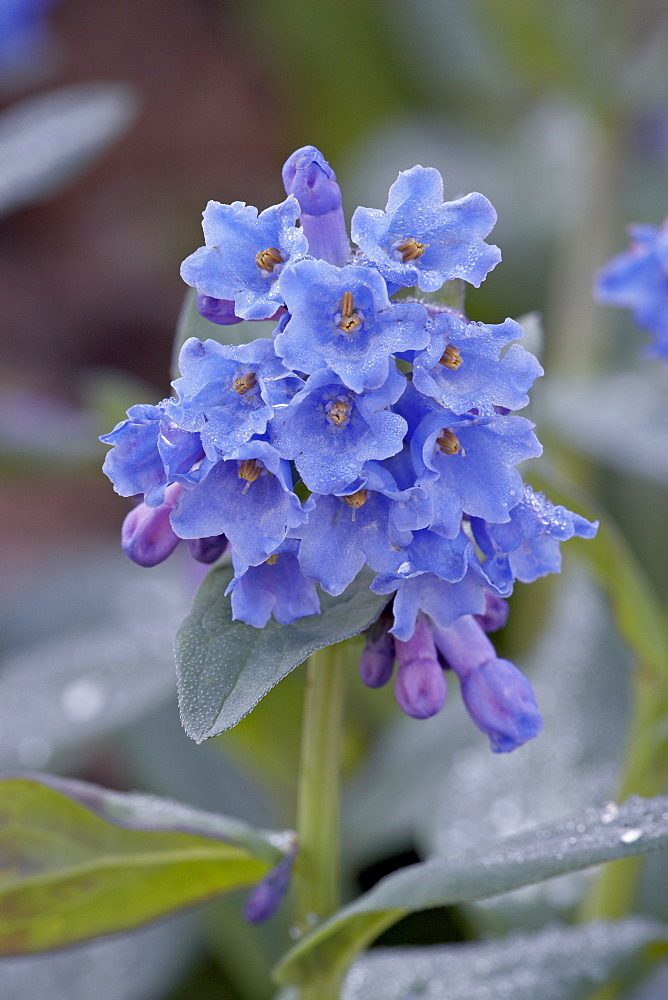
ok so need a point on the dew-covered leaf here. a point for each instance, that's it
(89, 649)
(559, 963)
(598, 835)
(226, 667)
(68, 874)
(48, 140)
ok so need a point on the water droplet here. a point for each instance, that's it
(82, 700)
(609, 812)
(630, 836)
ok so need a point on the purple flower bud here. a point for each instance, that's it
(501, 702)
(267, 895)
(464, 646)
(147, 536)
(377, 659)
(419, 686)
(221, 311)
(311, 180)
(496, 613)
(207, 550)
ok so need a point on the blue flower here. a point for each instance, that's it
(527, 546)
(467, 465)
(341, 318)
(438, 577)
(225, 393)
(419, 240)
(461, 367)
(244, 255)
(249, 500)
(276, 586)
(330, 432)
(638, 279)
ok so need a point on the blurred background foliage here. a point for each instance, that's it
(559, 114)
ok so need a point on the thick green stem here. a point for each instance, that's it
(317, 871)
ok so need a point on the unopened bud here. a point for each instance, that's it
(419, 686)
(495, 614)
(311, 180)
(501, 702)
(147, 536)
(377, 660)
(207, 550)
(267, 895)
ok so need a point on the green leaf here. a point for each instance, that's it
(560, 963)
(598, 835)
(78, 861)
(191, 324)
(226, 667)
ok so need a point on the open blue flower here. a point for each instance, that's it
(225, 393)
(467, 465)
(330, 432)
(244, 255)
(527, 546)
(249, 500)
(461, 367)
(276, 586)
(341, 318)
(420, 240)
(638, 279)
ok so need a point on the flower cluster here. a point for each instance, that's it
(369, 430)
(638, 280)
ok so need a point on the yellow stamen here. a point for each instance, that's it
(249, 470)
(244, 383)
(451, 358)
(267, 259)
(350, 320)
(358, 499)
(272, 560)
(410, 249)
(339, 412)
(448, 443)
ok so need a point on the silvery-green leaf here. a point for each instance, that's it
(638, 826)
(48, 140)
(559, 963)
(90, 649)
(226, 667)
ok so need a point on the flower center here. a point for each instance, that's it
(451, 358)
(448, 443)
(410, 249)
(350, 320)
(338, 412)
(358, 499)
(272, 560)
(244, 383)
(249, 469)
(267, 259)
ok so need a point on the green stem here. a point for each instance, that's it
(317, 870)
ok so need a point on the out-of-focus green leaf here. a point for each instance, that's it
(88, 862)
(226, 667)
(598, 835)
(560, 963)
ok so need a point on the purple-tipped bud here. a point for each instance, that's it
(377, 659)
(501, 702)
(464, 646)
(221, 311)
(419, 686)
(308, 176)
(496, 613)
(207, 550)
(267, 895)
(147, 536)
